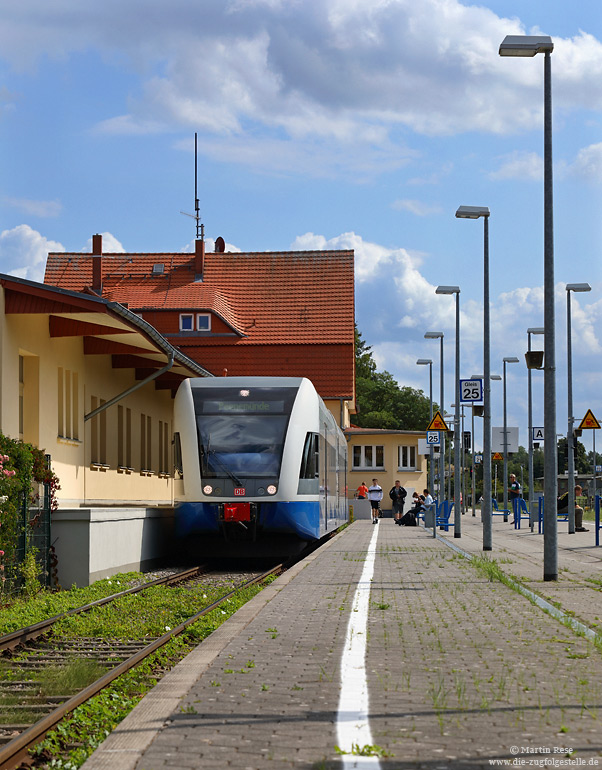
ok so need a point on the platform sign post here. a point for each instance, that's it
(433, 438)
(538, 435)
(471, 391)
(435, 426)
(589, 422)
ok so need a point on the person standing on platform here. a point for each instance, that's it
(362, 491)
(398, 497)
(514, 489)
(375, 495)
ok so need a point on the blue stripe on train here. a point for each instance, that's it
(299, 518)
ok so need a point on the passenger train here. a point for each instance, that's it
(262, 460)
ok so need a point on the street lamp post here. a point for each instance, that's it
(530, 45)
(439, 336)
(571, 420)
(530, 331)
(457, 495)
(509, 360)
(428, 362)
(474, 212)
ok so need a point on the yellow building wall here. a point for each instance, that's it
(413, 480)
(340, 411)
(55, 384)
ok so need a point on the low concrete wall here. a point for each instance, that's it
(362, 509)
(94, 543)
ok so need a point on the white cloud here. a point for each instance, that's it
(588, 163)
(110, 245)
(519, 165)
(349, 73)
(23, 252)
(43, 209)
(419, 208)
(371, 259)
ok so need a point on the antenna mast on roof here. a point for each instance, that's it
(200, 228)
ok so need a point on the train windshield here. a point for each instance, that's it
(241, 431)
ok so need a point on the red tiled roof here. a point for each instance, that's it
(291, 313)
(329, 367)
(269, 296)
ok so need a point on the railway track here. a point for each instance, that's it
(19, 735)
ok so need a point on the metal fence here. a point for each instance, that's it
(31, 565)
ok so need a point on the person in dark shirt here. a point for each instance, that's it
(562, 506)
(398, 497)
(514, 489)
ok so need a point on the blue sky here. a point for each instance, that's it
(323, 124)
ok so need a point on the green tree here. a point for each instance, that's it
(381, 401)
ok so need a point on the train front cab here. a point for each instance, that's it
(311, 487)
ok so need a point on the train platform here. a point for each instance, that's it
(389, 648)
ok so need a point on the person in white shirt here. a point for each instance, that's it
(428, 501)
(375, 495)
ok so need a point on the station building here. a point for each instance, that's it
(236, 313)
(92, 384)
(387, 455)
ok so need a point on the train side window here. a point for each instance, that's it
(310, 458)
(177, 454)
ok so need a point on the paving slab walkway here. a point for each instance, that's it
(463, 672)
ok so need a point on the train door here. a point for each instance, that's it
(324, 475)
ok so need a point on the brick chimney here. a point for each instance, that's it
(97, 264)
(199, 259)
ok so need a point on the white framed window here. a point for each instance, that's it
(203, 322)
(407, 458)
(369, 456)
(186, 322)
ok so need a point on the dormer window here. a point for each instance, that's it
(186, 322)
(158, 269)
(190, 322)
(203, 322)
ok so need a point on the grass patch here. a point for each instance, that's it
(93, 721)
(69, 679)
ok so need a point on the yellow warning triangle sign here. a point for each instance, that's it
(498, 456)
(437, 423)
(589, 421)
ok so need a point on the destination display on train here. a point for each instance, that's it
(243, 407)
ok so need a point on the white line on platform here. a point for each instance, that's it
(353, 727)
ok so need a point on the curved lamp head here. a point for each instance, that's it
(525, 45)
(472, 212)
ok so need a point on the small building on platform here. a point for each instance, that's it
(387, 455)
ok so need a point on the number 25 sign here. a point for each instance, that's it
(471, 391)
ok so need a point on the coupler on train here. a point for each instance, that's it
(238, 521)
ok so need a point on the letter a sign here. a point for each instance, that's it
(589, 421)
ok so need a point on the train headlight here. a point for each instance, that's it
(272, 489)
(207, 489)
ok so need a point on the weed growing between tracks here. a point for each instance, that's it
(73, 741)
(46, 604)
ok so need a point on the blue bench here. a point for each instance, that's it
(521, 511)
(495, 511)
(559, 516)
(442, 513)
